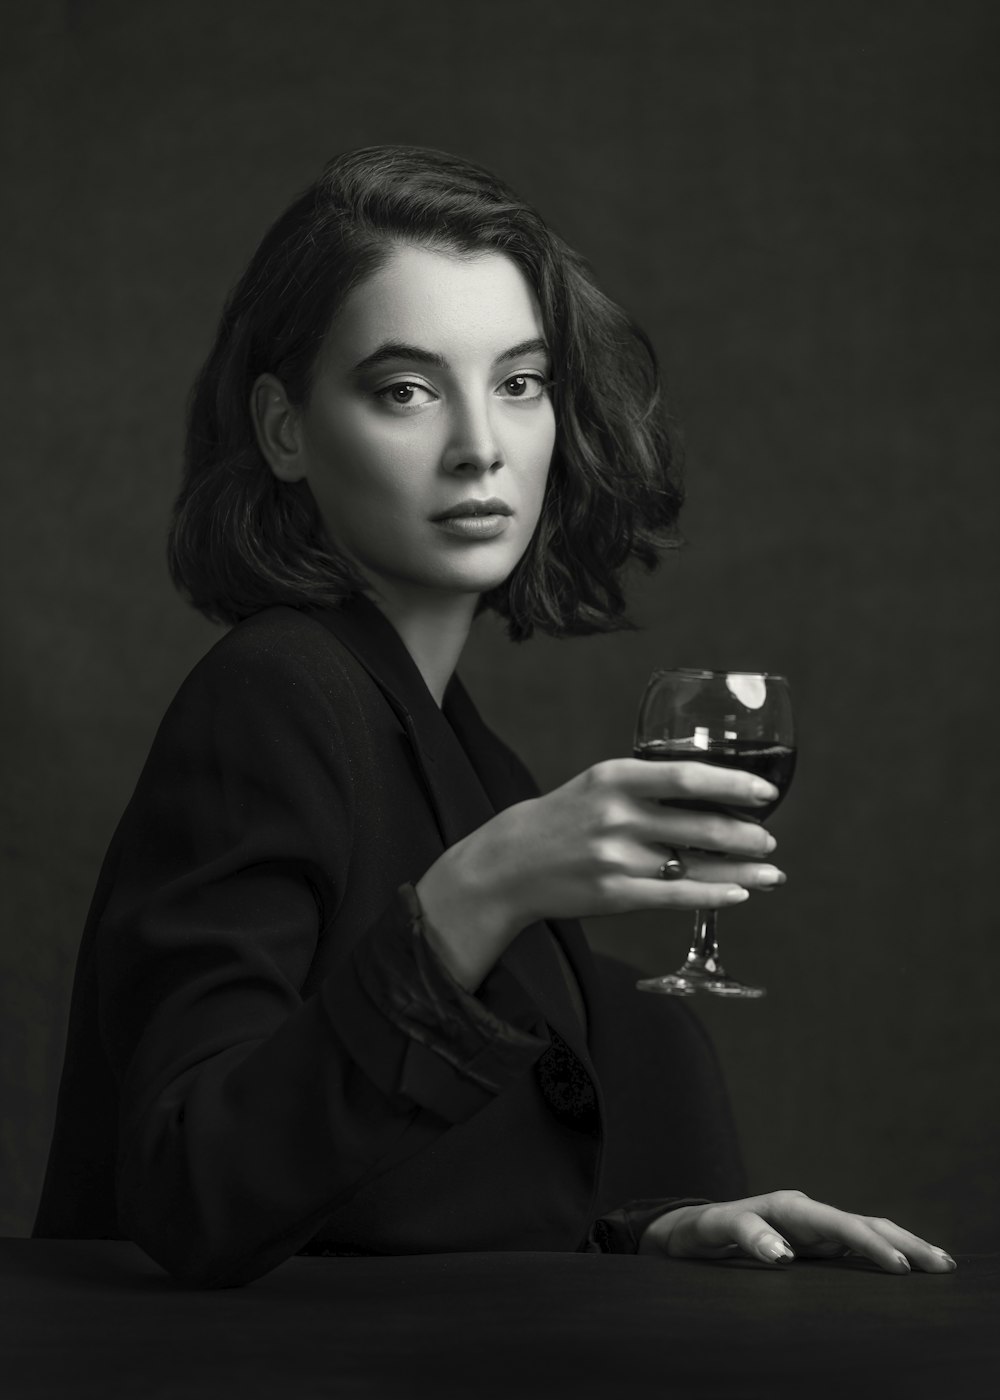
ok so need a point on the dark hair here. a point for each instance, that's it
(241, 540)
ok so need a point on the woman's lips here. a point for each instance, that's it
(473, 527)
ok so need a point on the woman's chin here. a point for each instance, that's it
(433, 586)
(477, 574)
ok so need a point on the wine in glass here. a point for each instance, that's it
(736, 719)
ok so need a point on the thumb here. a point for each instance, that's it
(754, 1236)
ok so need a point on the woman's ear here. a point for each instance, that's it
(276, 424)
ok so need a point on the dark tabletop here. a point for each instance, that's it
(84, 1319)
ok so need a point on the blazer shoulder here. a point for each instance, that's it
(282, 651)
(275, 683)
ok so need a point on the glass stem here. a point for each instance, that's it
(704, 950)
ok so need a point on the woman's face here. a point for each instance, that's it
(429, 400)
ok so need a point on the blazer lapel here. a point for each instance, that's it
(456, 795)
(468, 776)
(534, 956)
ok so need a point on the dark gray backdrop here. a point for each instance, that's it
(798, 200)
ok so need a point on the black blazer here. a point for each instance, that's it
(263, 1056)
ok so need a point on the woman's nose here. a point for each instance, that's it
(474, 446)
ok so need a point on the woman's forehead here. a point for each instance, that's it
(455, 305)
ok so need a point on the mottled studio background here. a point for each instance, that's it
(798, 199)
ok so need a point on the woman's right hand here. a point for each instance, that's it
(595, 846)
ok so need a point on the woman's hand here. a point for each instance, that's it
(595, 846)
(782, 1224)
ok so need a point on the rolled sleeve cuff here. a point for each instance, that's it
(415, 1031)
(620, 1231)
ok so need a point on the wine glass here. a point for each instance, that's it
(736, 719)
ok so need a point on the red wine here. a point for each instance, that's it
(773, 762)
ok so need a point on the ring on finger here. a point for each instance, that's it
(673, 867)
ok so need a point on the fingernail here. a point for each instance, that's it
(763, 791)
(943, 1254)
(769, 842)
(776, 1250)
(770, 875)
(903, 1260)
(737, 895)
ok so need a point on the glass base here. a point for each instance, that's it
(699, 975)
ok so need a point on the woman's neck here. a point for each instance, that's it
(434, 630)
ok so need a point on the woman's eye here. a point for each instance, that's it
(524, 386)
(404, 395)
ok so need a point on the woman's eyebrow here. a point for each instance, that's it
(526, 347)
(398, 350)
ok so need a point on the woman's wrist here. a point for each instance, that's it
(467, 921)
(656, 1237)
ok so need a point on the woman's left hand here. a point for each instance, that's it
(782, 1224)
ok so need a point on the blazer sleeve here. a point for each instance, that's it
(248, 1111)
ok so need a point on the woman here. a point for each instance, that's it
(330, 995)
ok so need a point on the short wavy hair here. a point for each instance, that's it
(241, 540)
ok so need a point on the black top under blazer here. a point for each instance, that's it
(264, 1056)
